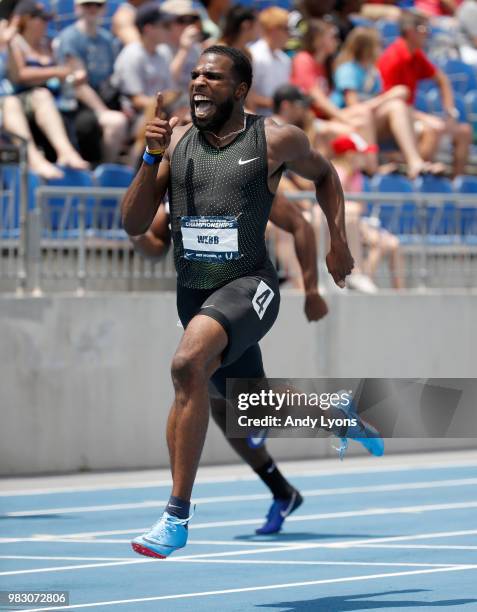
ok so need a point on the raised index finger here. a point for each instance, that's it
(158, 110)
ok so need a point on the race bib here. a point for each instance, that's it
(210, 239)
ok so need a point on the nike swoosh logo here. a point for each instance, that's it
(246, 161)
(286, 512)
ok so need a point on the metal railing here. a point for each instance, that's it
(70, 239)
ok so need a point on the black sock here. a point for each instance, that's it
(178, 507)
(275, 481)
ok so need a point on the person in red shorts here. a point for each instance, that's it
(405, 63)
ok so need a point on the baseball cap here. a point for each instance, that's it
(179, 8)
(291, 93)
(148, 13)
(352, 142)
(32, 8)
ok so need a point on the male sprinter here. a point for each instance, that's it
(221, 174)
(287, 216)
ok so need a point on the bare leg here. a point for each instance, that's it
(16, 122)
(394, 117)
(50, 122)
(114, 125)
(196, 359)
(362, 120)
(462, 139)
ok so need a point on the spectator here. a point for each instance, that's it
(123, 23)
(93, 48)
(31, 68)
(240, 28)
(467, 18)
(183, 47)
(140, 71)
(347, 160)
(312, 73)
(405, 63)
(357, 81)
(11, 110)
(437, 8)
(341, 16)
(271, 65)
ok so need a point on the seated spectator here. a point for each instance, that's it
(341, 16)
(93, 48)
(381, 9)
(12, 117)
(240, 28)
(123, 24)
(405, 63)
(437, 8)
(312, 73)
(35, 75)
(357, 81)
(467, 19)
(347, 160)
(140, 71)
(184, 36)
(271, 65)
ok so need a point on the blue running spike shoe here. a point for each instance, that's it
(257, 437)
(167, 535)
(279, 510)
(362, 432)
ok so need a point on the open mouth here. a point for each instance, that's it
(203, 106)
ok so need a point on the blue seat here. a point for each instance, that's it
(111, 175)
(461, 75)
(442, 224)
(401, 219)
(434, 102)
(467, 185)
(10, 199)
(60, 215)
(388, 30)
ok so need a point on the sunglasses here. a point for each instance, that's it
(92, 4)
(187, 19)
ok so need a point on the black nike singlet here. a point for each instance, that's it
(227, 187)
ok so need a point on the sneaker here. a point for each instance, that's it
(361, 283)
(279, 510)
(167, 535)
(362, 432)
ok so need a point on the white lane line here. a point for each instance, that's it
(266, 587)
(233, 553)
(292, 471)
(412, 486)
(423, 546)
(256, 521)
(56, 558)
(238, 561)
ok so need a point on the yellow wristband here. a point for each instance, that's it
(154, 151)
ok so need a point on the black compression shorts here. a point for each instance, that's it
(246, 308)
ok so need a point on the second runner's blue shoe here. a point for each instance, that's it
(166, 536)
(279, 510)
(362, 432)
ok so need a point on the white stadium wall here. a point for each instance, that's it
(85, 382)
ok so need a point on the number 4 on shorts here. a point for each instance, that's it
(262, 298)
